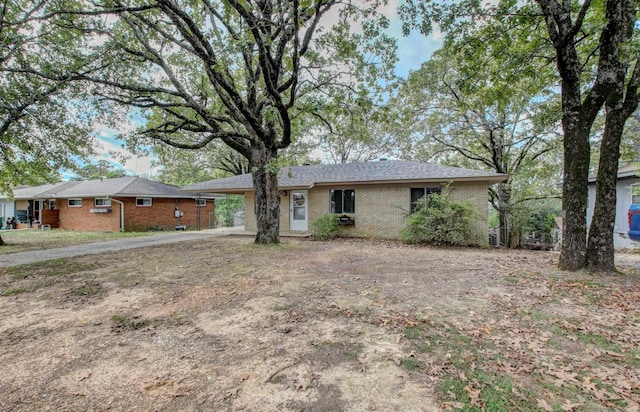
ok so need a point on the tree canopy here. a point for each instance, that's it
(43, 124)
(469, 106)
(100, 169)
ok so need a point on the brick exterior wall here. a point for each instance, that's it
(160, 215)
(81, 218)
(50, 217)
(380, 210)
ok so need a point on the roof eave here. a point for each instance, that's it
(475, 179)
(487, 179)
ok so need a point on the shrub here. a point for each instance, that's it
(440, 220)
(325, 227)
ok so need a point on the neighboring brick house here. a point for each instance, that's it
(127, 203)
(377, 196)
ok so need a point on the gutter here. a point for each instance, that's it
(121, 213)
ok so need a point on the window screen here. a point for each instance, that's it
(343, 201)
(420, 192)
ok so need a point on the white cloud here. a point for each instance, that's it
(109, 147)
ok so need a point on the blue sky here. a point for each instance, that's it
(413, 50)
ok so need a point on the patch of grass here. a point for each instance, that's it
(89, 289)
(481, 392)
(585, 282)
(56, 267)
(466, 383)
(414, 332)
(600, 341)
(411, 364)
(532, 315)
(27, 240)
(123, 323)
(13, 291)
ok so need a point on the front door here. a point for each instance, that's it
(298, 210)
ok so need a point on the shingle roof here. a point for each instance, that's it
(129, 186)
(389, 171)
(31, 192)
(624, 171)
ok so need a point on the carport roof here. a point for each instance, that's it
(378, 172)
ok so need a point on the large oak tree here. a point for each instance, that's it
(232, 70)
(43, 124)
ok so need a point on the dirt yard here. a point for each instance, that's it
(225, 325)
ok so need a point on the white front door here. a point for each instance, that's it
(298, 210)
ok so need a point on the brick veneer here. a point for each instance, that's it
(160, 215)
(381, 210)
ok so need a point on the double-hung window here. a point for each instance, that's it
(418, 193)
(104, 202)
(342, 201)
(143, 201)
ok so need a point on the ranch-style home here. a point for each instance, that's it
(373, 198)
(120, 204)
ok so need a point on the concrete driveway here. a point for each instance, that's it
(20, 258)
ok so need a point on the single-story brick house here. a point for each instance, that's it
(126, 203)
(627, 193)
(377, 196)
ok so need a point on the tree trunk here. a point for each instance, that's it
(575, 179)
(267, 198)
(578, 115)
(600, 251)
(1, 241)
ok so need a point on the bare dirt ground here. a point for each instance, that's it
(225, 325)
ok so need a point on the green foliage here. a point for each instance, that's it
(439, 220)
(98, 170)
(471, 106)
(325, 227)
(226, 209)
(44, 111)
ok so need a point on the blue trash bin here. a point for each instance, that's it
(634, 222)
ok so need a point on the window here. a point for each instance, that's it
(420, 192)
(102, 202)
(342, 201)
(143, 201)
(201, 202)
(635, 198)
(74, 202)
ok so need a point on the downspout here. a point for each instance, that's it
(121, 213)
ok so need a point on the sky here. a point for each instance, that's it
(412, 51)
